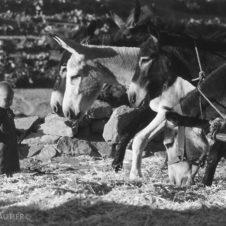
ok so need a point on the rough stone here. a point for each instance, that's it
(97, 126)
(33, 138)
(26, 123)
(26, 126)
(34, 150)
(39, 138)
(100, 110)
(103, 148)
(74, 147)
(49, 139)
(119, 120)
(58, 126)
(47, 153)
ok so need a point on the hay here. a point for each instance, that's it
(85, 191)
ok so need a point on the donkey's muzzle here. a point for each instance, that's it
(69, 114)
(57, 109)
(137, 102)
(132, 99)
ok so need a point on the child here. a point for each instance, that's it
(9, 159)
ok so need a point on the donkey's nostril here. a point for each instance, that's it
(70, 114)
(132, 99)
(57, 109)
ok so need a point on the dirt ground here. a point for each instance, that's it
(85, 191)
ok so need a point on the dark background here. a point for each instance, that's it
(28, 58)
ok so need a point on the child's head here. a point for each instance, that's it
(6, 95)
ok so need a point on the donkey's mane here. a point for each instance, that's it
(123, 64)
(178, 64)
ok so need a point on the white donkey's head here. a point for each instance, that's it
(57, 95)
(84, 76)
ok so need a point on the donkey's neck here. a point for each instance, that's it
(120, 68)
(183, 87)
(172, 96)
(178, 90)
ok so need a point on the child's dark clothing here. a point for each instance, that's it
(9, 158)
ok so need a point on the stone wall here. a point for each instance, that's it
(96, 135)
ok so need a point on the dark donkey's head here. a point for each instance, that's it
(157, 69)
(134, 30)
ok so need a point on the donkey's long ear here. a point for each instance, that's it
(137, 10)
(150, 46)
(64, 43)
(154, 42)
(118, 20)
(87, 52)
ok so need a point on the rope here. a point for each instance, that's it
(201, 78)
(211, 104)
(201, 72)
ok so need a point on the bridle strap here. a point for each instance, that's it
(181, 137)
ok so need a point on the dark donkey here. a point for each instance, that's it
(161, 76)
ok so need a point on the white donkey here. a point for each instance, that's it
(88, 68)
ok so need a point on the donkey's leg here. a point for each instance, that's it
(119, 154)
(142, 120)
(214, 157)
(141, 140)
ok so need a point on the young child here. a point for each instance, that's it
(9, 158)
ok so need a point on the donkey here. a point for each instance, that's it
(88, 68)
(157, 79)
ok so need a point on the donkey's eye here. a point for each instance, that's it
(73, 79)
(144, 60)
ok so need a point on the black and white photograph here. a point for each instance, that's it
(113, 112)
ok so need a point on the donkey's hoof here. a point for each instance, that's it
(117, 167)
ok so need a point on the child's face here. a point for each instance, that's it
(6, 98)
